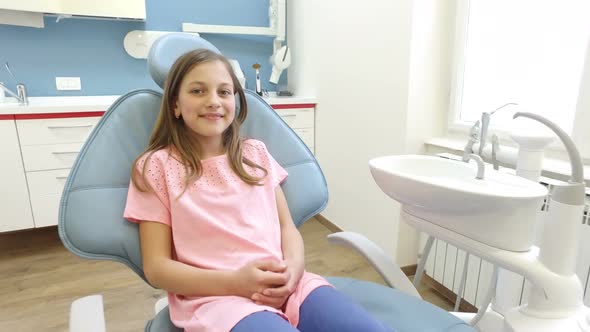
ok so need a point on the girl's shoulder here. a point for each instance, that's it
(156, 158)
(252, 142)
(253, 148)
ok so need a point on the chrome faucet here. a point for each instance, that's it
(472, 140)
(481, 168)
(21, 90)
(20, 95)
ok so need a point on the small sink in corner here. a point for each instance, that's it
(501, 210)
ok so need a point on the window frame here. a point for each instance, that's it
(458, 128)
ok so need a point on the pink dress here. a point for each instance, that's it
(219, 223)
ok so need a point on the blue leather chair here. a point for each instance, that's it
(91, 223)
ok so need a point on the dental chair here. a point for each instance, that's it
(91, 223)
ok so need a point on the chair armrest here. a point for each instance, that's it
(87, 315)
(386, 267)
(161, 304)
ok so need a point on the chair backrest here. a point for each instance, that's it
(91, 223)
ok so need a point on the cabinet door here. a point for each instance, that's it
(298, 117)
(42, 6)
(15, 211)
(55, 131)
(134, 9)
(105, 8)
(45, 189)
(302, 121)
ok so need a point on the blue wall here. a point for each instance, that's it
(93, 49)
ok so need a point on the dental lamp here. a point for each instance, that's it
(280, 60)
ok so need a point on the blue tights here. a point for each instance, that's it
(325, 310)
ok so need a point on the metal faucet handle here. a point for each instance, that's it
(21, 91)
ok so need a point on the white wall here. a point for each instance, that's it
(360, 52)
(300, 39)
(428, 95)
(580, 134)
(357, 63)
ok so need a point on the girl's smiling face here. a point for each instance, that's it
(206, 100)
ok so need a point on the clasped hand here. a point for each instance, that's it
(268, 282)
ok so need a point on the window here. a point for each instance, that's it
(526, 52)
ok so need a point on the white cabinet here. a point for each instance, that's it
(15, 208)
(49, 148)
(302, 120)
(55, 131)
(45, 189)
(52, 156)
(133, 9)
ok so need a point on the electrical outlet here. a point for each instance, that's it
(68, 83)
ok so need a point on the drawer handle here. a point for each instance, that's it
(72, 126)
(65, 152)
(288, 115)
(61, 177)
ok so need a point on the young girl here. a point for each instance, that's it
(214, 225)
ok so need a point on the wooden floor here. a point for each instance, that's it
(39, 279)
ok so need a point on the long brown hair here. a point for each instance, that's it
(170, 132)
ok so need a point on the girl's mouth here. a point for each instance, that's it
(211, 116)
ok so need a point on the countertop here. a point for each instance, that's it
(102, 103)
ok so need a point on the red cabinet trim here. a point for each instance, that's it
(34, 116)
(278, 107)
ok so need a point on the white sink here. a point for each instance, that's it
(501, 210)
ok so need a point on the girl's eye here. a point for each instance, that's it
(226, 92)
(196, 91)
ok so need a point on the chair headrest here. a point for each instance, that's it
(170, 47)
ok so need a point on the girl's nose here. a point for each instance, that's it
(213, 101)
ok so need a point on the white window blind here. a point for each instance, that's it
(524, 51)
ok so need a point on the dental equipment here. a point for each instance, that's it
(555, 302)
(256, 67)
(495, 148)
(280, 61)
(485, 122)
(277, 18)
(531, 146)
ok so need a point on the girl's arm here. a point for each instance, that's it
(293, 255)
(291, 240)
(179, 278)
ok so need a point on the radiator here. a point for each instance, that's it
(445, 264)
